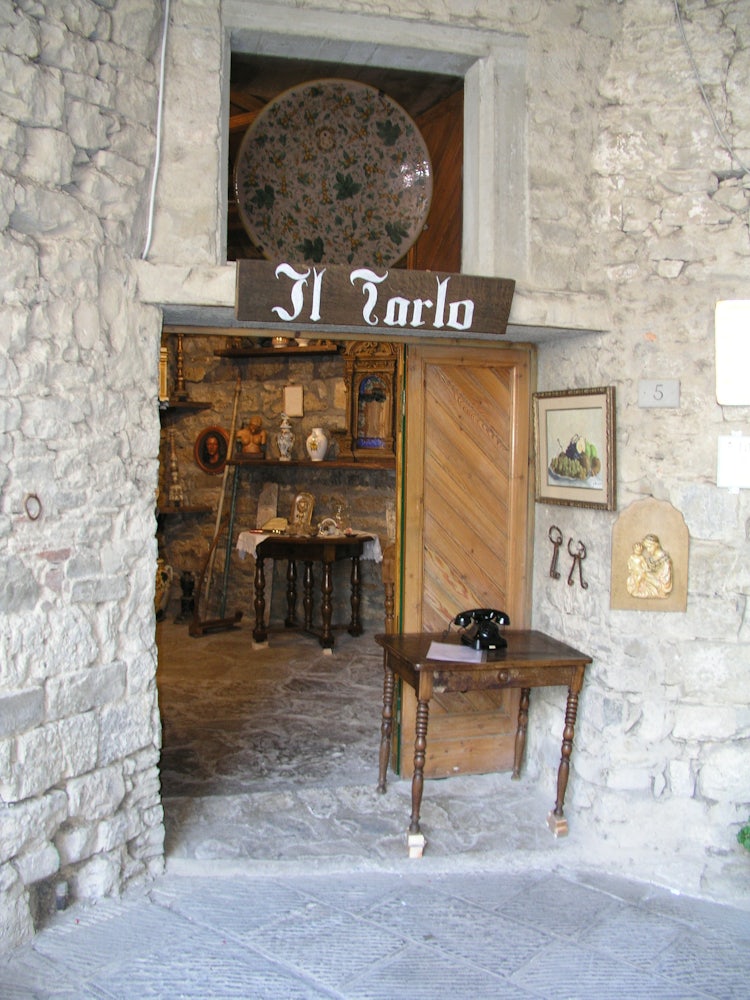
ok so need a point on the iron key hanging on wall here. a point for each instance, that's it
(578, 556)
(555, 536)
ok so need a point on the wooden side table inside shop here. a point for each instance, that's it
(308, 550)
(531, 659)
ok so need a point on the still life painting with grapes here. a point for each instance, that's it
(574, 436)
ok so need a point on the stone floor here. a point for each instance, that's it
(533, 935)
(287, 874)
(271, 755)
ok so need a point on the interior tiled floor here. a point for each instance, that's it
(287, 874)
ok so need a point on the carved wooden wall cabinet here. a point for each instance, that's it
(370, 378)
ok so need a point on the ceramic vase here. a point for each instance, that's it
(164, 576)
(317, 444)
(285, 439)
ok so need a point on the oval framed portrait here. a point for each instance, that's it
(211, 450)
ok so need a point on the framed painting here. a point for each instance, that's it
(574, 439)
(210, 450)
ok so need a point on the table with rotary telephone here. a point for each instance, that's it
(485, 655)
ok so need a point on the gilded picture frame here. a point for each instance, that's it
(574, 447)
(300, 519)
(211, 450)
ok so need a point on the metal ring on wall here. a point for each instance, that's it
(33, 507)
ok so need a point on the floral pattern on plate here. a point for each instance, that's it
(333, 171)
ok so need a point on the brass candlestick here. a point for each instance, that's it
(181, 391)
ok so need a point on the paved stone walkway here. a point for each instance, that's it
(288, 874)
(380, 935)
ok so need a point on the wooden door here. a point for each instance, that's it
(466, 532)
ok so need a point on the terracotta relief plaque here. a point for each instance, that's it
(650, 545)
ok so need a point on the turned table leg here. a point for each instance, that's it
(307, 594)
(259, 632)
(291, 594)
(417, 781)
(523, 721)
(355, 627)
(326, 607)
(556, 820)
(386, 725)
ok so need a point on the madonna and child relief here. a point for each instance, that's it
(649, 569)
(649, 558)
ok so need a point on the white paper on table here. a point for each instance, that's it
(248, 541)
(372, 550)
(458, 654)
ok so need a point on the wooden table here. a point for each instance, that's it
(325, 550)
(531, 659)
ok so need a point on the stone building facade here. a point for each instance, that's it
(594, 176)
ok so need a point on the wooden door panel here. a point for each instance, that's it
(469, 755)
(466, 503)
(478, 711)
(466, 451)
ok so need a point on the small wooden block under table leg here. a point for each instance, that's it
(557, 824)
(416, 843)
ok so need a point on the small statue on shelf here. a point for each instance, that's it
(253, 439)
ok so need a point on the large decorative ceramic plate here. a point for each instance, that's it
(333, 171)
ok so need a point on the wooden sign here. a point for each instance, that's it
(379, 302)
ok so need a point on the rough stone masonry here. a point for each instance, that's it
(631, 221)
(79, 725)
(636, 223)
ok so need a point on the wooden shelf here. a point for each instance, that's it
(334, 463)
(195, 508)
(265, 352)
(184, 406)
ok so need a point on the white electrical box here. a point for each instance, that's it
(733, 462)
(732, 337)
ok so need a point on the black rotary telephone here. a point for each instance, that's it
(482, 628)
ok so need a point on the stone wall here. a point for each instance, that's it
(660, 765)
(636, 213)
(637, 224)
(80, 809)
